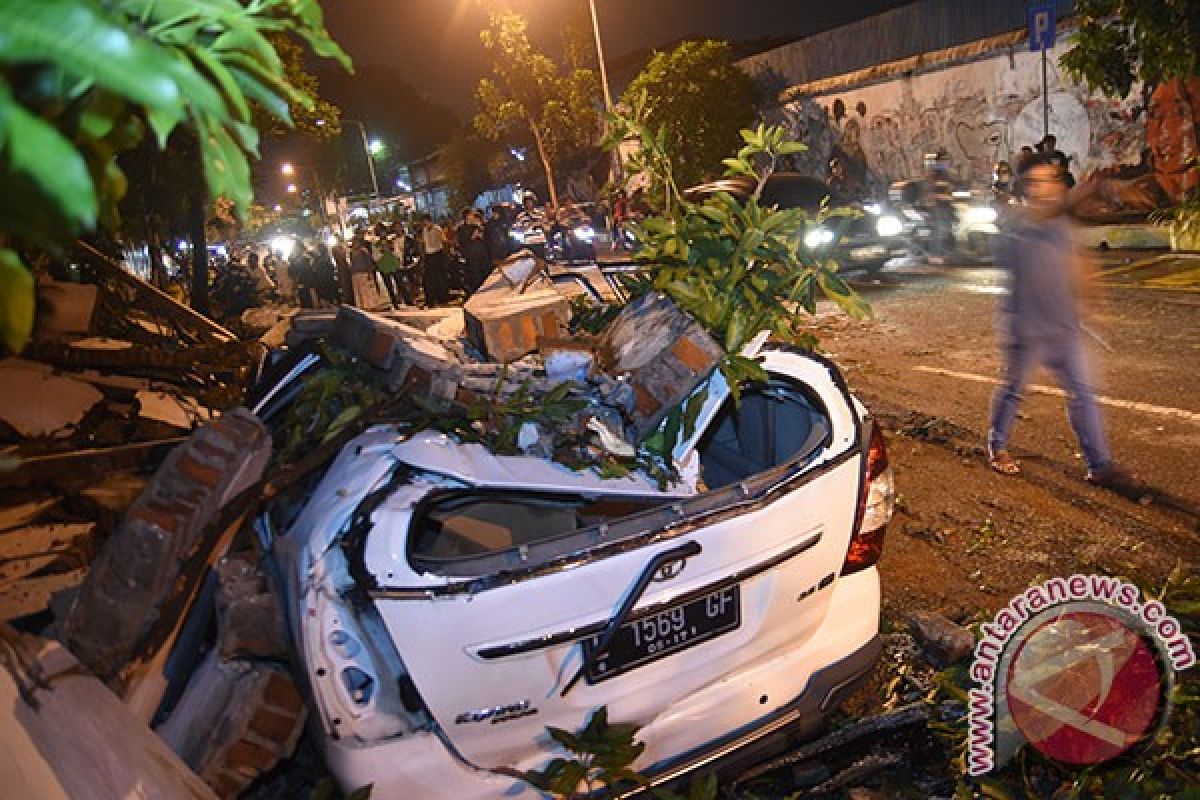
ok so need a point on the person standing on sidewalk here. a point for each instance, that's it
(1042, 322)
(436, 264)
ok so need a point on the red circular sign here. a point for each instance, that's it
(1084, 687)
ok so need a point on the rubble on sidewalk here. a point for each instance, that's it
(241, 712)
(514, 379)
(136, 572)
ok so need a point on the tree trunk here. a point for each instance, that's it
(541, 148)
(196, 208)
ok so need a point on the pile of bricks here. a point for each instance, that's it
(505, 323)
(237, 719)
(664, 352)
(136, 573)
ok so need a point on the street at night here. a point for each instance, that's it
(588, 399)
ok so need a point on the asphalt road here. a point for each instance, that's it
(926, 363)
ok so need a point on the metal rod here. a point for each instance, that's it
(1045, 97)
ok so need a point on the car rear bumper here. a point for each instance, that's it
(847, 644)
(767, 736)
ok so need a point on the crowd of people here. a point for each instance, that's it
(403, 260)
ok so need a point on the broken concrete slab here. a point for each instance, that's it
(65, 308)
(235, 721)
(116, 492)
(250, 621)
(505, 324)
(39, 539)
(80, 742)
(172, 409)
(136, 571)
(665, 352)
(40, 403)
(24, 513)
(31, 595)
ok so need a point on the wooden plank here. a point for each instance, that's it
(38, 539)
(98, 460)
(14, 569)
(33, 595)
(82, 743)
(17, 516)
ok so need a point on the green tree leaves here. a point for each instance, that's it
(80, 80)
(529, 93)
(1122, 41)
(701, 98)
(735, 265)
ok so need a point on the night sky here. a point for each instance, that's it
(435, 43)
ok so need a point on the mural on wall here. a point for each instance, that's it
(1173, 136)
(979, 113)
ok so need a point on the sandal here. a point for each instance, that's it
(1003, 462)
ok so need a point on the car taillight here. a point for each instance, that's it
(875, 507)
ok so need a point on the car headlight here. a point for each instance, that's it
(980, 215)
(283, 245)
(888, 225)
(818, 237)
(585, 234)
(517, 235)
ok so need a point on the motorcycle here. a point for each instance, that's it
(960, 227)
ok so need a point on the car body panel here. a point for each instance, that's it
(490, 654)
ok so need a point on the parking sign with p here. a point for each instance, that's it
(1041, 28)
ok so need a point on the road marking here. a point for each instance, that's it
(1132, 405)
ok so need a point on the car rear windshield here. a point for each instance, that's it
(478, 531)
(463, 525)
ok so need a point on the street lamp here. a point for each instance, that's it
(369, 148)
(287, 169)
(608, 105)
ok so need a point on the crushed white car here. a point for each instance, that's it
(448, 604)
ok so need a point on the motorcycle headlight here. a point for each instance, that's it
(585, 234)
(981, 215)
(888, 225)
(818, 237)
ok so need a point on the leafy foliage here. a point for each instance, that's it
(1123, 41)
(702, 98)
(602, 755)
(736, 266)
(1183, 220)
(330, 400)
(529, 93)
(82, 81)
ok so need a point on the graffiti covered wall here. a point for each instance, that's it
(980, 112)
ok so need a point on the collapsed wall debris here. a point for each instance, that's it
(136, 571)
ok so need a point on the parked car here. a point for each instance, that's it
(448, 604)
(867, 241)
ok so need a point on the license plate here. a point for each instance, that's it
(863, 253)
(654, 636)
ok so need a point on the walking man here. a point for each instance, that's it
(1042, 322)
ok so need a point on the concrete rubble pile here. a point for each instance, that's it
(513, 336)
(117, 375)
(132, 606)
